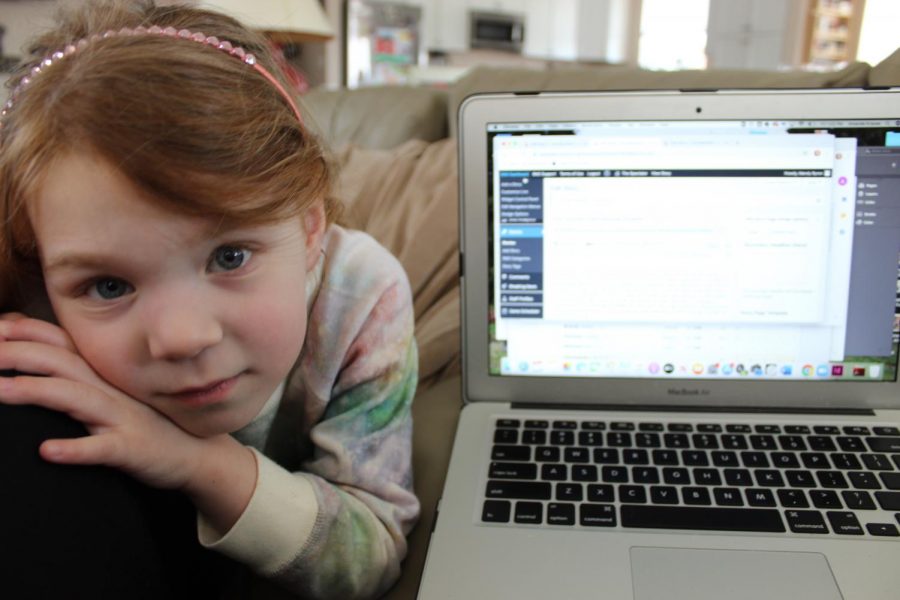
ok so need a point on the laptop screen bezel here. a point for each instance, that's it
(478, 111)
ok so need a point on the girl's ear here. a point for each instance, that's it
(314, 225)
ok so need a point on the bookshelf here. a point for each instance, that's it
(833, 31)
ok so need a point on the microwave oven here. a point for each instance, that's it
(498, 31)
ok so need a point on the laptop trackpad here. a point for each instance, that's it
(687, 574)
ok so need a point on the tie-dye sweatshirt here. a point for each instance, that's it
(333, 501)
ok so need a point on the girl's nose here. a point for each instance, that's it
(182, 331)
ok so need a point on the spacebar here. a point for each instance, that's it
(707, 518)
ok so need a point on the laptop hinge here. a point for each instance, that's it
(710, 409)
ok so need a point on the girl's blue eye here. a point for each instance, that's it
(229, 258)
(109, 289)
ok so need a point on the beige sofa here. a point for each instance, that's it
(397, 159)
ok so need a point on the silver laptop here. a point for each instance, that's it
(680, 333)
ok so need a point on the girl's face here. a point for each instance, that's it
(200, 323)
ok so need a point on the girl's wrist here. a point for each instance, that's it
(222, 480)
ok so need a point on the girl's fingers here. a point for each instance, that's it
(38, 358)
(88, 450)
(18, 327)
(83, 402)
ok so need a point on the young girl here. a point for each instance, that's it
(218, 333)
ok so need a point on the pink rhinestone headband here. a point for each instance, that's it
(200, 38)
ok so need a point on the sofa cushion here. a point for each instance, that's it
(406, 198)
(378, 117)
(887, 72)
(494, 79)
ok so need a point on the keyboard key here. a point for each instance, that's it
(665, 457)
(852, 444)
(694, 458)
(863, 480)
(792, 498)
(883, 529)
(502, 452)
(785, 460)
(546, 453)
(759, 497)
(825, 499)
(728, 497)
(815, 460)
(858, 500)
(705, 518)
(600, 493)
(826, 430)
(753, 460)
(554, 472)
(856, 430)
(606, 456)
(505, 470)
(890, 480)
(506, 436)
(767, 429)
(738, 429)
(534, 436)
(844, 523)
(650, 427)
(676, 440)
(706, 441)
(765, 442)
(768, 478)
(792, 442)
(725, 458)
(560, 437)
(821, 443)
(695, 496)
(645, 475)
(845, 461)
(510, 423)
(707, 477)
(709, 428)
(800, 479)
(888, 500)
(738, 477)
(663, 494)
(524, 490)
(584, 473)
(533, 424)
(636, 457)
(496, 511)
(615, 474)
(560, 514)
(530, 513)
(676, 476)
(734, 442)
(883, 444)
(633, 494)
(648, 440)
(593, 426)
(618, 439)
(569, 492)
(797, 429)
(590, 438)
(680, 427)
(576, 455)
(877, 462)
(621, 426)
(886, 431)
(806, 521)
(565, 425)
(597, 515)
(832, 479)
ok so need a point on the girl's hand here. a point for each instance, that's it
(124, 433)
(218, 473)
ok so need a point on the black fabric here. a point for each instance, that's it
(91, 532)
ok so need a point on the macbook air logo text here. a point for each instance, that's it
(688, 392)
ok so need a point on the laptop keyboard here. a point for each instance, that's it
(805, 479)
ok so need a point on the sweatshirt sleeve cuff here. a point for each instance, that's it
(276, 524)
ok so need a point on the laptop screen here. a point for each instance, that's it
(701, 249)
